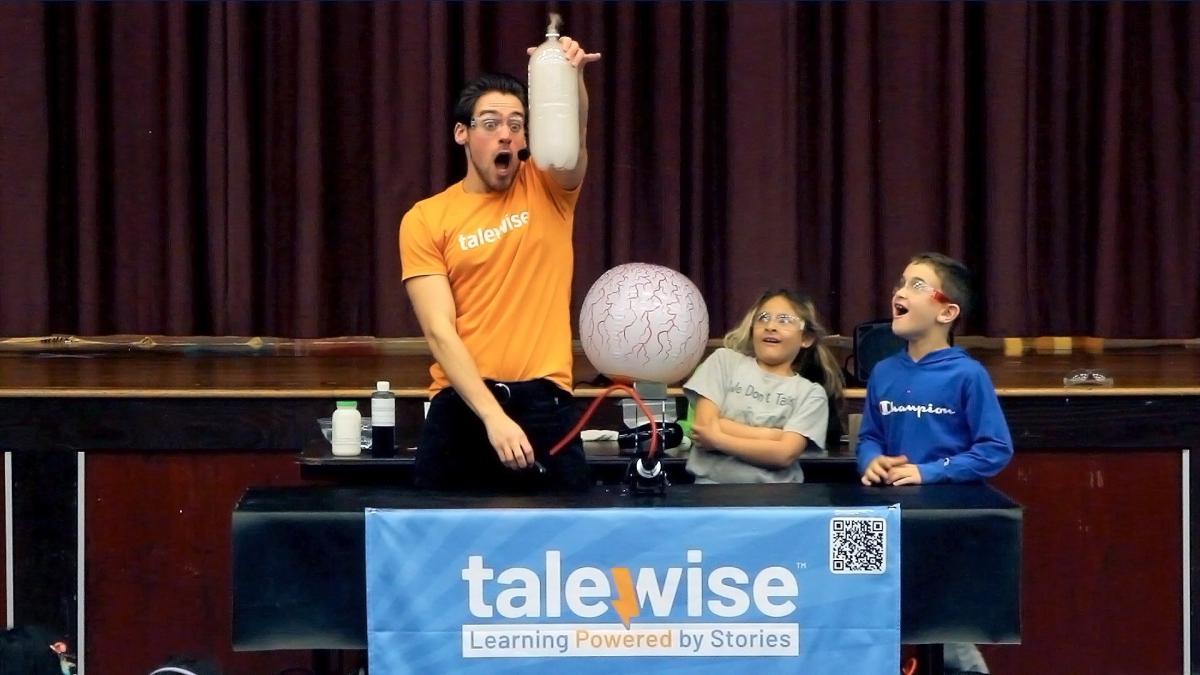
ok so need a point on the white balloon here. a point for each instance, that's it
(644, 322)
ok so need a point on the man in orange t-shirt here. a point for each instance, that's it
(487, 264)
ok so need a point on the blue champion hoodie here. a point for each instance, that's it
(941, 412)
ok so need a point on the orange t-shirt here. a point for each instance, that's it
(509, 259)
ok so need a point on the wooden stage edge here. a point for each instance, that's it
(235, 368)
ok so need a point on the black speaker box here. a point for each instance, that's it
(874, 341)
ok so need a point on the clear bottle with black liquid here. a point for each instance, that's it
(383, 421)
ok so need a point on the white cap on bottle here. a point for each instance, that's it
(383, 385)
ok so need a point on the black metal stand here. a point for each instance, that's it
(646, 477)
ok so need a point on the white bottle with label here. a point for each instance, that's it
(553, 104)
(347, 430)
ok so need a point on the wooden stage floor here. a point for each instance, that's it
(348, 370)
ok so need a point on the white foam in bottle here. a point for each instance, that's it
(553, 104)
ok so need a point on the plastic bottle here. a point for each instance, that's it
(553, 104)
(347, 430)
(383, 421)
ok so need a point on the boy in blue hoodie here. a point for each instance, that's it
(931, 414)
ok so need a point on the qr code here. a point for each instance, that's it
(857, 545)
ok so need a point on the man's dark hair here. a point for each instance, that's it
(955, 278)
(488, 82)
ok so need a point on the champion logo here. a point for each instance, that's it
(888, 408)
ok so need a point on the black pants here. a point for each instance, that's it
(454, 452)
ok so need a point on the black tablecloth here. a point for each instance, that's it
(299, 565)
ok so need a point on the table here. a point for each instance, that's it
(607, 466)
(299, 568)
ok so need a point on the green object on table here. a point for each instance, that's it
(686, 422)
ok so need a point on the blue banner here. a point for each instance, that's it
(687, 590)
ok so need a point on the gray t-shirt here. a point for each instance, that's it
(747, 394)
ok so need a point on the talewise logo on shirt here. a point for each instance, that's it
(491, 235)
(778, 398)
(887, 408)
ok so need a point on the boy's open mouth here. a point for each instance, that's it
(899, 309)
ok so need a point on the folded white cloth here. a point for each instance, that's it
(680, 450)
(598, 435)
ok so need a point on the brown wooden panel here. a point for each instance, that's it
(157, 424)
(1102, 567)
(158, 557)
